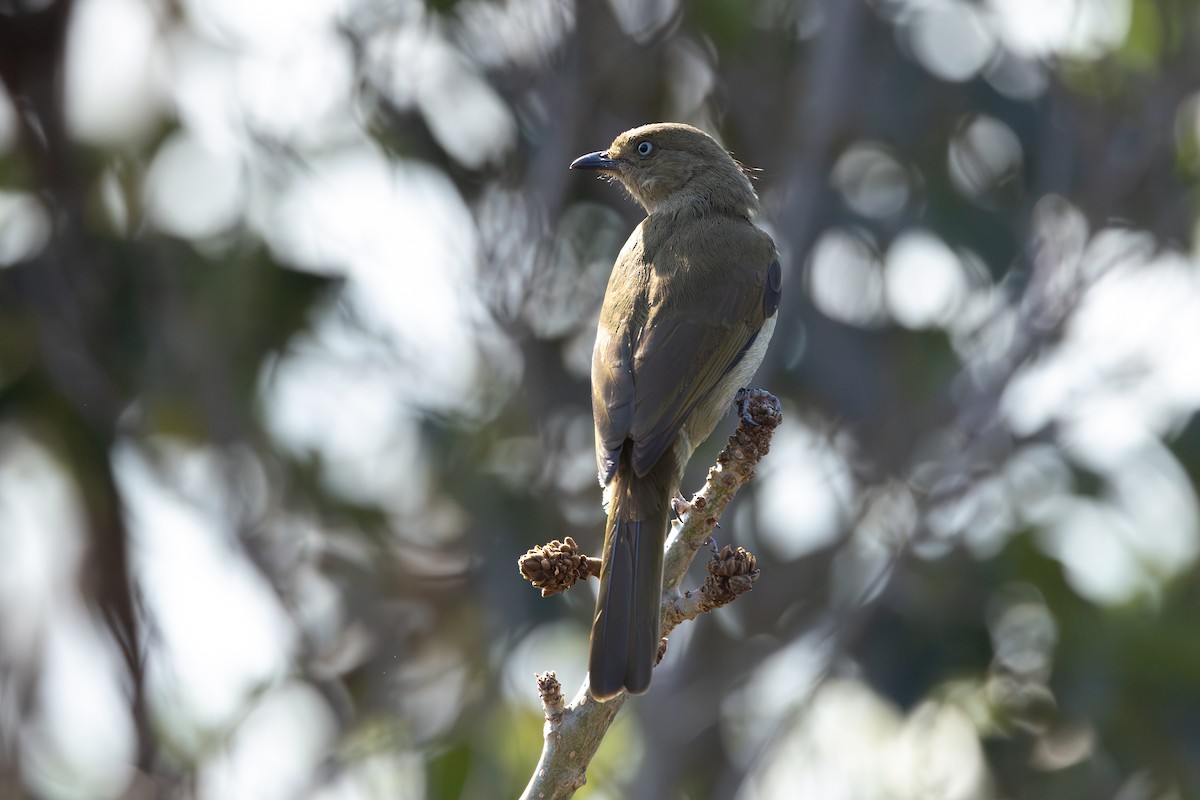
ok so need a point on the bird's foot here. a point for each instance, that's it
(742, 401)
(680, 507)
(749, 401)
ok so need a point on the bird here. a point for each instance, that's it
(690, 306)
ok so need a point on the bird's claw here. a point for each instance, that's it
(680, 507)
(761, 401)
(742, 401)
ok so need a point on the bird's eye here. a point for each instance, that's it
(644, 149)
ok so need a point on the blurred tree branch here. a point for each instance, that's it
(65, 292)
(573, 733)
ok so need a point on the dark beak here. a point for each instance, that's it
(598, 160)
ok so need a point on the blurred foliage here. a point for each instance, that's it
(345, 335)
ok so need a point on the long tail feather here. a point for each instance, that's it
(625, 630)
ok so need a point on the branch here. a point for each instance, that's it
(735, 467)
(573, 733)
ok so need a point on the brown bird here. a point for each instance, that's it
(687, 315)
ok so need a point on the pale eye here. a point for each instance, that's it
(644, 149)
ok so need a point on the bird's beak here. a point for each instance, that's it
(598, 160)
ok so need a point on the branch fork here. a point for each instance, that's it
(573, 732)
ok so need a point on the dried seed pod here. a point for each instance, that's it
(554, 567)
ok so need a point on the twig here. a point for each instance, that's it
(573, 733)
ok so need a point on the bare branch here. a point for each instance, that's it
(734, 468)
(730, 574)
(573, 734)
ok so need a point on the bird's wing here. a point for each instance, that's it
(612, 396)
(704, 299)
(623, 312)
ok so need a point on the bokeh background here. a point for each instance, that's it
(297, 300)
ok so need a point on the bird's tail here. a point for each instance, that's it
(625, 629)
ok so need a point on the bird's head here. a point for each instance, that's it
(670, 166)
